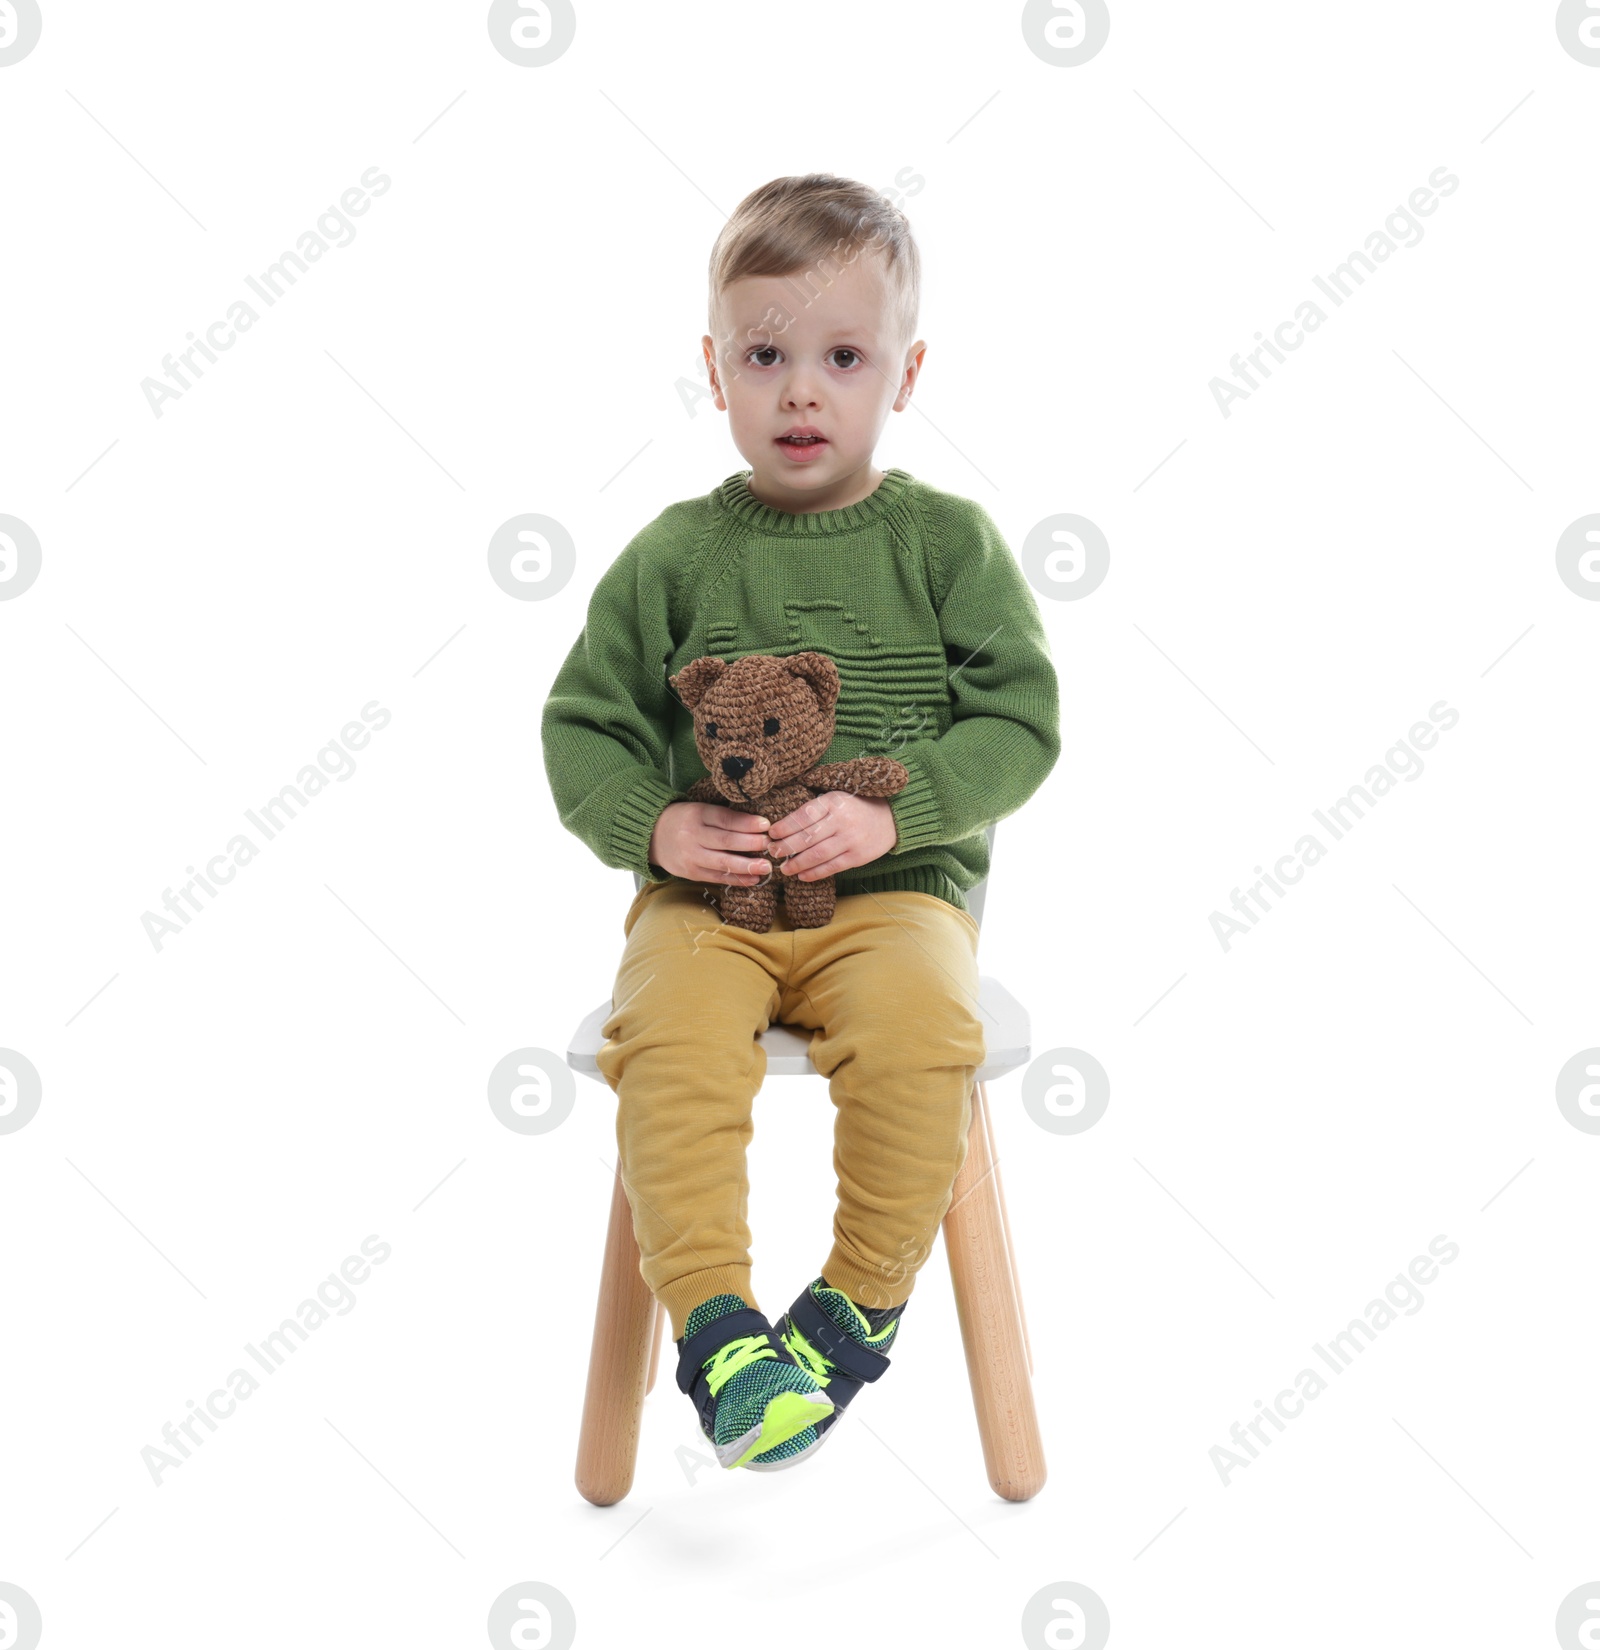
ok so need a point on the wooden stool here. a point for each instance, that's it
(629, 1322)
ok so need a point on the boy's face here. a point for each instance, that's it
(832, 365)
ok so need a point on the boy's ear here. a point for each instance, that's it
(909, 374)
(694, 681)
(820, 672)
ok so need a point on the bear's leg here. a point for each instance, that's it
(809, 904)
(750, 908)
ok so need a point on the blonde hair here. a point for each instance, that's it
(793, 226)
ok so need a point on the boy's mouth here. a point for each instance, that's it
(802, 442)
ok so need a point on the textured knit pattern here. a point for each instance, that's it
(914, 595)
(744, 1398)
(860, 1323)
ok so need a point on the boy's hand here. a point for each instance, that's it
(706, 842)
(833, 832)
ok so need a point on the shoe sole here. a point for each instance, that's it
(787, 1414)
(794, 1460)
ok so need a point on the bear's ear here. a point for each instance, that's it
(694, 681)
(820, 672)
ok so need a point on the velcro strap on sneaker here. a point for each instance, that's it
(834, 1343)
(731, 1326)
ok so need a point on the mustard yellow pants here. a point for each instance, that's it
(889, 989)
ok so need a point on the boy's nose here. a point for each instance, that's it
(736, 767)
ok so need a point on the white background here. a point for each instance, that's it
(223, 587)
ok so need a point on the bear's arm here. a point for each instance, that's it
(860, 776)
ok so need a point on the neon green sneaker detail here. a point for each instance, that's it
(752, 1398)
(841, 1344)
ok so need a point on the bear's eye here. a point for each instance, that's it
(770, 726)
(711, 730)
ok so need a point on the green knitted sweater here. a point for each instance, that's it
(912, 592)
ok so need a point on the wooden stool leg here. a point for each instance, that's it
(990, 1313)
(1005, 1226)
(619, 1359)
(655, 1346)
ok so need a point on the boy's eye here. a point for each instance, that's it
(711, 730)
(842, 350)
(770, 726)
(762, 349)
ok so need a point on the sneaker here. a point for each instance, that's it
(843, 1346)
(753, 1399)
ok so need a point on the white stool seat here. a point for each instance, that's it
(1006, 1034)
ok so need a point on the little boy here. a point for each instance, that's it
(943, 665)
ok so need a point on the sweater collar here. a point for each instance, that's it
(736, 497)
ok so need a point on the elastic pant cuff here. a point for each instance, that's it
(683, 1295)
(869, 1286)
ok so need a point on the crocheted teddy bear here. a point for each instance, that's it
(760, 725)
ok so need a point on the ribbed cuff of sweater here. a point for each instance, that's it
(916, 813)
(634, 821)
